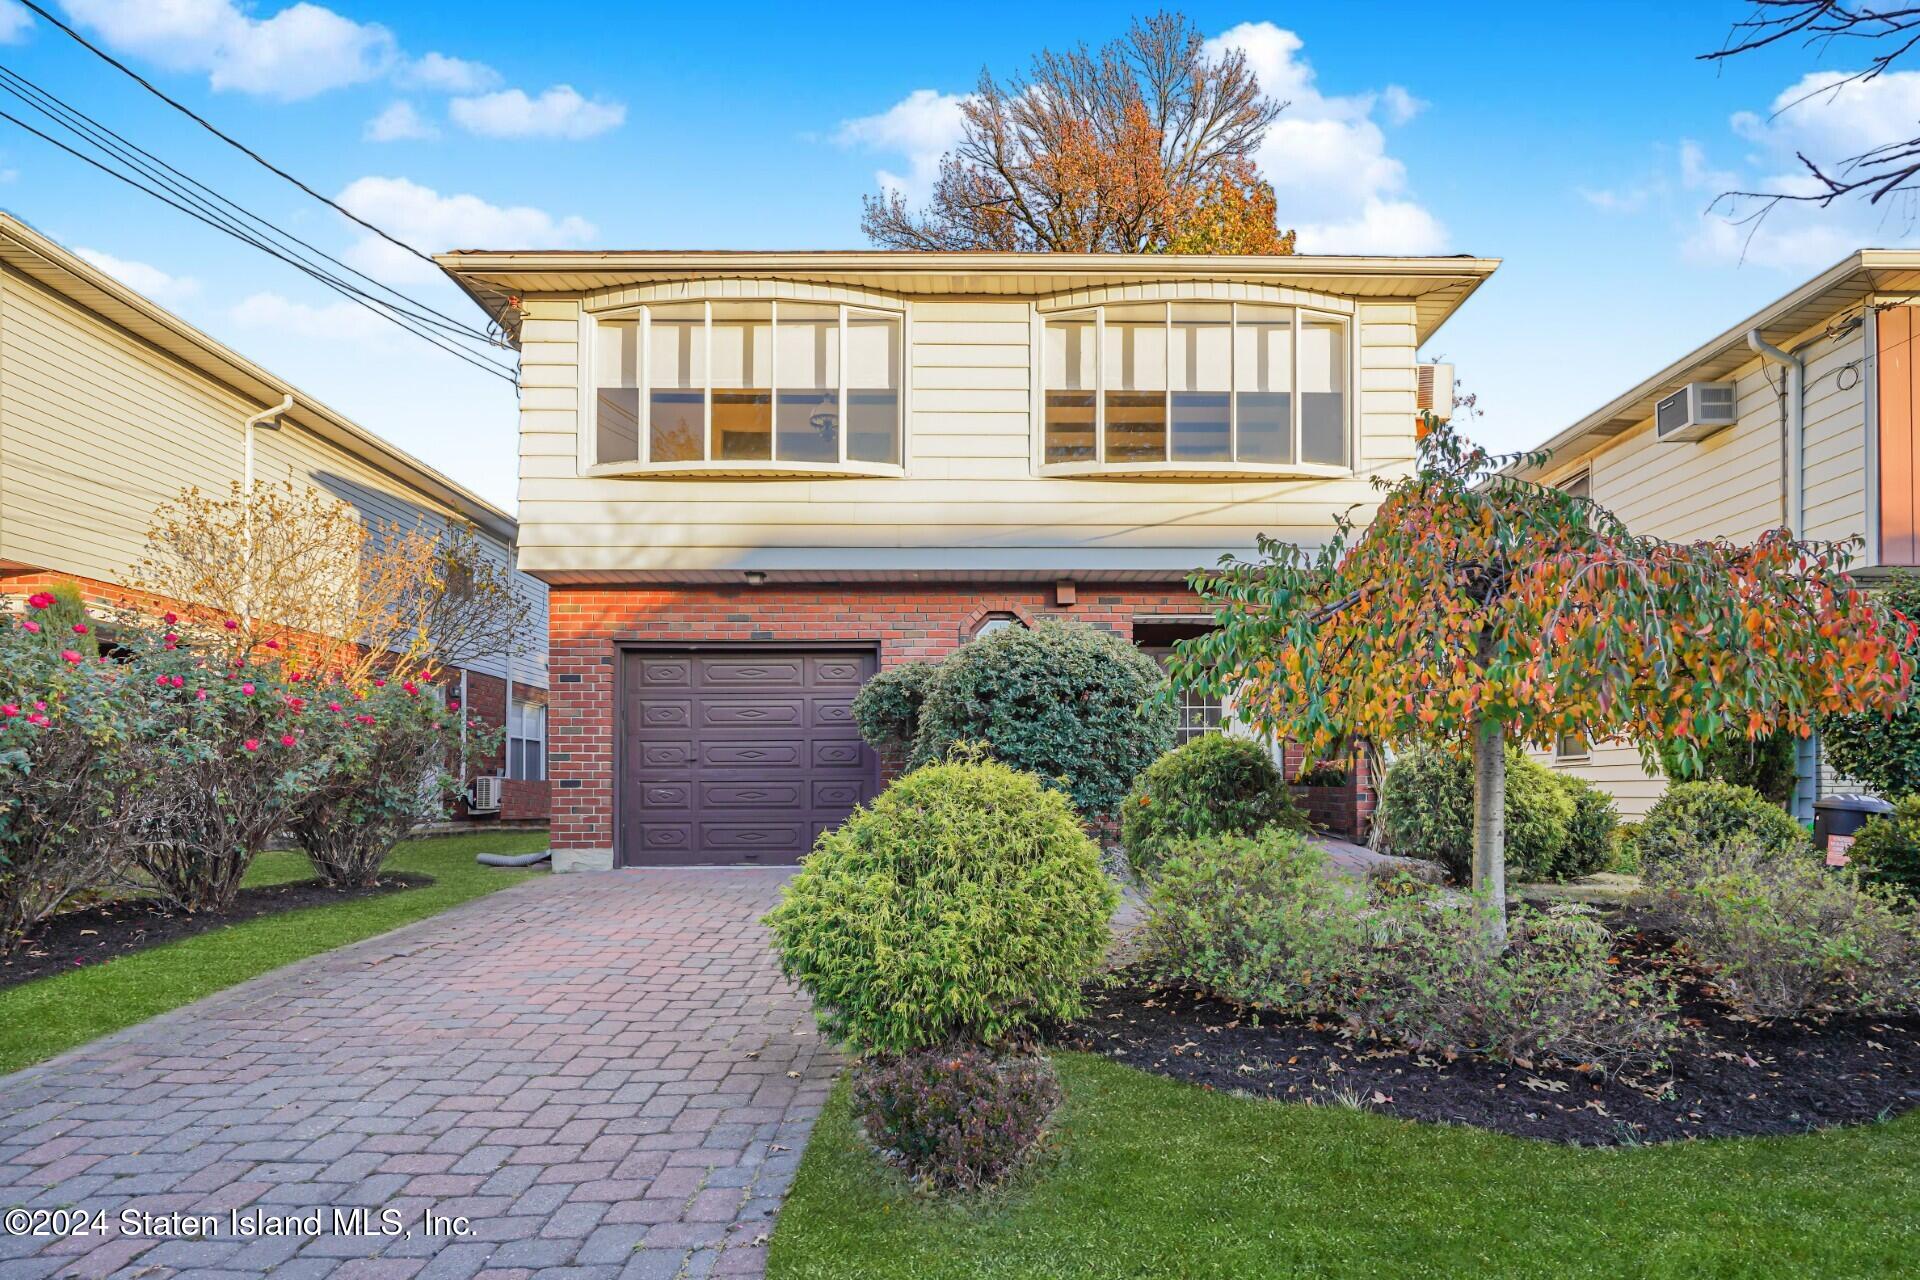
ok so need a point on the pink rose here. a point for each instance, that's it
(379, 684)
(333, 706)
(297, 704)
(232, 625)
(162, 681)
(179, 682)
(286, 739)
(171, 639)
(41, 600)
(252, 744)
(171, 618)
(9, 709)
(247, 688)
(79, 628)
(37, 719)
(39, 705)
(70, 655)
(411, 688)
(273, 644)
(31, 626)
(453, 704)
(200, 694)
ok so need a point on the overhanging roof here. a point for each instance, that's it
(74, 278)
(498, 280)
(1843, 285)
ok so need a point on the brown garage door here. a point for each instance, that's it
(739, 756)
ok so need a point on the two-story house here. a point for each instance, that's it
(1800, 416)
(750, 480)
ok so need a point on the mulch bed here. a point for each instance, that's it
(1728, 1075)
(93, 935)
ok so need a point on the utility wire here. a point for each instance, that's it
(149, 165)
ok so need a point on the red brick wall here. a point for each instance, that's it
(1343, 810)
(522, 800)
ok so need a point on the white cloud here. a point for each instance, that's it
(298, 52)
(1327, 157)
(446, 74)
(333, 322)
(142, 277)
(15, 22)
(433, 223)
(560, 112)
(400, 123)
(922, 127)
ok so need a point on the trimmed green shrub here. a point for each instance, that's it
(1765, 765)
(1882, 751)
(1887, 850)
(1214, 784)
(1426, 811)
(966, 905)
(1706, 814)
(1590, 831)
(955, 1119)
(1075, 705)
(887, 708)
(1784, 935)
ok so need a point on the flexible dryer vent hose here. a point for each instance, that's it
(512, 859)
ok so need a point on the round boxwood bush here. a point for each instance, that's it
(1426, 811)
(1887, 849)
(887, 709)
(964, 907)
(1077, 706)
(1708, 815)
(1214, 785)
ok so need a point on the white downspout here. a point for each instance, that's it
(267, 418)
(1806, 764)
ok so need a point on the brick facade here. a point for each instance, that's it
(586, 625)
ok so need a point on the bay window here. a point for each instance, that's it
(1176, 385)
(749, 385)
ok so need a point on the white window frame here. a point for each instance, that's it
(523, 736)
(641, 314)
(1099, 466)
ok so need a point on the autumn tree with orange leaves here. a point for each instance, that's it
(1477, 609)
(1144, 146)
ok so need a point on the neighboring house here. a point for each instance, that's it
(1802, 416)
(751, 480)
(111, 405)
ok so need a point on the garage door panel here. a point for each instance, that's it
(739, 757)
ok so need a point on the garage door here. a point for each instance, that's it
(738, 757)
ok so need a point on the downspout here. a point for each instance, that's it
(268, 418)
(1806, 782)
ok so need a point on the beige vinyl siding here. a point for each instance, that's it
(970, 499)
(98, 429)
(1732, 485)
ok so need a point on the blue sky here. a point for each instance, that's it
(1585, 156)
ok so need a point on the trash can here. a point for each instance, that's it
(1836, 820)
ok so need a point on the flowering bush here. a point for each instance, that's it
(69, 737)
(955, 1119)
(383, 766)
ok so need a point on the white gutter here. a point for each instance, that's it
(265, 418)
(1793, 463)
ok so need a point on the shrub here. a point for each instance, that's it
(1591, 830)
(955, 1119)
(1077, 706)
(1887, 849)
(1765, 764)
(1784, 935)
(887, 708)
(1880, 750)
(1214, 784)
(965, 905)
(1258, 920)
(1426, 811)
(70, 728)
(1713, 813)
(382, 766)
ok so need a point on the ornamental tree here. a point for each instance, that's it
(1478, 609)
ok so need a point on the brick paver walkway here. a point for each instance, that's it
(603, 1073)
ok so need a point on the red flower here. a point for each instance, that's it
(286, 739)
(79, 628)
(170, 619)
(162, 681)
(379, 684)
(297, 704)
(333, 706)
(411, 688)
(200, 694)
(273, 644)
(9, 709)
(31, 626)
(37, 719)
(179, 682)
(232, 625)
(41, 600)
(70, 655)
(247, 688)
(253, 744)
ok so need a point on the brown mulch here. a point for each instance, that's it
(107, 931)
(1728, 1075)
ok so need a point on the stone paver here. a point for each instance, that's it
(603, 1074)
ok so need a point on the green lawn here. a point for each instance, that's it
(1161, 1179)
(41, 1018)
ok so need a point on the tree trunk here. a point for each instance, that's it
(1490, 825)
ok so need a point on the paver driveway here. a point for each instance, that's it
(603, 1073)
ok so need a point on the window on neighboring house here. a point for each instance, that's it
(748, 384)
(527, 740)
(996, 622)
(1195, 384)
(1198, 713)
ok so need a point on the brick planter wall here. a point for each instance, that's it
(1345, 810)
(907, 621)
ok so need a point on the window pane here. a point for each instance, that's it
(616, 370)
(807, 404)
(1263, 384)
(1069, 385)
(1201, 374)
(873, 387)
(1323, 392)
(742, 381)
(676, 376)
(1135, 370)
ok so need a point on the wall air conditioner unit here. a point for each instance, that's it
(486, 794)
(1696, 411)
(1435, 390)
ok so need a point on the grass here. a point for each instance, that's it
(1155, 1178)
(50, 1015)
